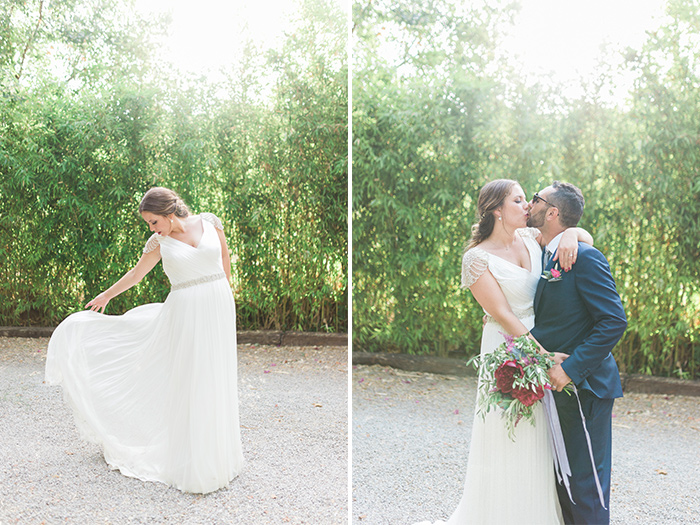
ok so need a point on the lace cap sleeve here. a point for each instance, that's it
(152, 243)
(530, 233)
(474, 263)
(210, 217)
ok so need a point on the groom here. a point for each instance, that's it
(579, 314)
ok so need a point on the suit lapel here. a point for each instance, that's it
(538, 293)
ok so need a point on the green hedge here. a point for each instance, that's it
(430, 128)
(78, 151)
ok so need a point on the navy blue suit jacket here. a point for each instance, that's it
(582, 315)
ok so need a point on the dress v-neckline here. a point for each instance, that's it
(199, 243)
(529, 254)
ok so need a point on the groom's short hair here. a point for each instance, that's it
(569, 201)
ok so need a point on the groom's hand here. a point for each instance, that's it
(559, 357)
(558, 377)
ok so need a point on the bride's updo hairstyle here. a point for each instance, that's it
(162, 201)
(491, 197)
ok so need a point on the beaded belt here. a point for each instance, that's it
(520, 313)
(199, 280)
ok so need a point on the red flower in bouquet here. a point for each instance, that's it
(506, 373)
(512, 379)
(526, 396)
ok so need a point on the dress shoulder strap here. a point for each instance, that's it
(210, 217)
(474, 263)
(152, 243)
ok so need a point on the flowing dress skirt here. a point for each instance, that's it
(156, 387)
(508, 482)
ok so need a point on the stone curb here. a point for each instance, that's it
(261, 337)
(457, 367)
(416, 363)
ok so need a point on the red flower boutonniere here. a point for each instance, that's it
(554, 274)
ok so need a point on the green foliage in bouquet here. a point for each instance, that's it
(513, 378)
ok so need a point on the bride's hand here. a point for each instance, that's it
(567, 250)
(98, 303)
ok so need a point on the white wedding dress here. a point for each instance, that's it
(508, 483)
(156, 387)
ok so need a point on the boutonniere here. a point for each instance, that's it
(554, 274)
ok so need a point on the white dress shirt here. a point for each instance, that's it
(552, 246)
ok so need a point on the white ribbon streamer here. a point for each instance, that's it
(556, 442)
(590, 450)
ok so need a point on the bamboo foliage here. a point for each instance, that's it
(427, 138)
(82, 139)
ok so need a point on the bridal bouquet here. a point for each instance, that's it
(513, 377)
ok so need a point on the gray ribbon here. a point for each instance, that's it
(556, 442)
(590, 450)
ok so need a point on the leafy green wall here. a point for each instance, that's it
(437, 114)
(89, 120)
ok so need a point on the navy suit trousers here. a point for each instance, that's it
(598, 414)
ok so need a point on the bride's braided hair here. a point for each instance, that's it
(491, 197)
(163, 201)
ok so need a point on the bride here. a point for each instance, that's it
(156, 387)
(508, 482)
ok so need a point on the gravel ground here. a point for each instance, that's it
(410, 441)
(294, 423)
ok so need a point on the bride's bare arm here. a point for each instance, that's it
(568, 246)
(490, 296)
(146, 263)
(225, 257)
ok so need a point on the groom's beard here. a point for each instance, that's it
(537, 220)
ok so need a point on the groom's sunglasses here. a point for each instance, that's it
(536, 198)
